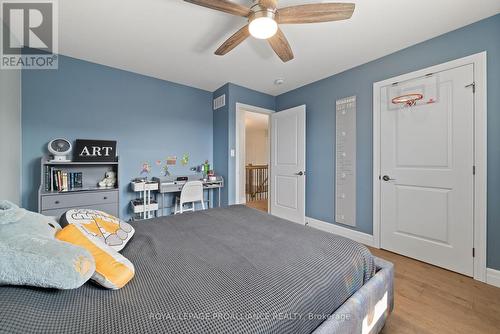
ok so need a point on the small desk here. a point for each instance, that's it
(166, 185)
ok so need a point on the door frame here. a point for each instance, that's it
(480, 153)
(241, 108)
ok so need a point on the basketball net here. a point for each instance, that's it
(407, 101)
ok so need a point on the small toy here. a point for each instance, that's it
(185, 159)
(206, 167)
(109, 180)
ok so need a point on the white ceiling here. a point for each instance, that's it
(174, 40)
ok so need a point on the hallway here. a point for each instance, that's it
(259, 205)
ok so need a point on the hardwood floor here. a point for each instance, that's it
(429, 299)
(259, 205)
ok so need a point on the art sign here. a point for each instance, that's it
(90, 150)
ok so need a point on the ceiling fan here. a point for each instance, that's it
(264, 16)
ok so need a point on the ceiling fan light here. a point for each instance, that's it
(263, 27)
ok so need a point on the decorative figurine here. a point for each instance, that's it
(185, 159)
(109, 180)
(206, 167)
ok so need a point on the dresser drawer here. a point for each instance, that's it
(69, 200)
(111, 209)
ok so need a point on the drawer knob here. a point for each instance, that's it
(56, 202)
(105, 197)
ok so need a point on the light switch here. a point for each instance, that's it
(233, 153)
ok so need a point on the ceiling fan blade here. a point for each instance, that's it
(233, 41)
(223, 6)
(271, 4)
(312, 13)
(281, 46)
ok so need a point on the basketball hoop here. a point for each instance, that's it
(407, 100)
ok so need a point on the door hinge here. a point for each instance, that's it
(473, 85)
(473, 252)
(473, 170)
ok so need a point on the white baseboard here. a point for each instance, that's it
(360, 237)
(493, 277)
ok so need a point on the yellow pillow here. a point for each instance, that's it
(113, 270)
(113, 231)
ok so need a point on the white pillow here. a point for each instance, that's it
(113, 231)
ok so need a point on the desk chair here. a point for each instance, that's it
(191, 192)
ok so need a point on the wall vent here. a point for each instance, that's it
(220, 101)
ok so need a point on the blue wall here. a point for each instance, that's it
(221, 138)
(225, 131)
(151, 119)
(82, 100)
(320, 98)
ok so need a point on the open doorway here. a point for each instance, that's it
(253, 157)
(256, 160)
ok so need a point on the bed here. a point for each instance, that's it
(229, 270)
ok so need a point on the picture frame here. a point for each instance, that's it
(93, 150)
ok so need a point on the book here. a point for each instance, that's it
(64, 181)
(47, 178)
(56, 180)
(79, 180)
(59, 180)
(51, 178)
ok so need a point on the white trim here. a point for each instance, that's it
(251, 108)
(480, 161)
(21, 139)
(240, 144)
(493, 277)
(480, 182)
(363, 238)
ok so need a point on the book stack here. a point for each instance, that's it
(60, 180)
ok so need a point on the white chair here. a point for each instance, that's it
(192, 192)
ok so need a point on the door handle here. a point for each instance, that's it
(300, 173)
(387, 178)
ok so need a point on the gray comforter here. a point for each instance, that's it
(232, 270)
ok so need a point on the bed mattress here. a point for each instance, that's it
(230, 270)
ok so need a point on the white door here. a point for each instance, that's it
(427, 175)
(288, 161)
